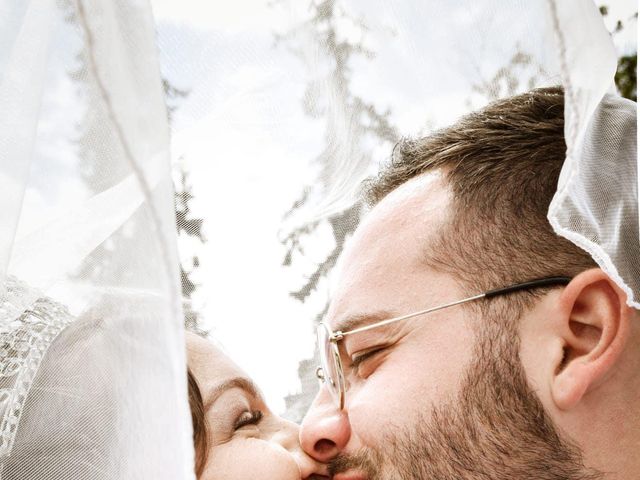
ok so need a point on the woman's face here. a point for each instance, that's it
(245, 440)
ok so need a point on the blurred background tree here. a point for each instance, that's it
(328, 96)
(91, 143)
(626, 74)
(189, 226)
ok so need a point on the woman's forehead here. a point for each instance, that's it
(208, 362)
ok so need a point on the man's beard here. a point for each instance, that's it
(496, 428)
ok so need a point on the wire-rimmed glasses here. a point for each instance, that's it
(330, 371)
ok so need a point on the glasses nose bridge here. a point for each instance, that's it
(330, 371)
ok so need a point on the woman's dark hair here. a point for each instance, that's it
(200, 439)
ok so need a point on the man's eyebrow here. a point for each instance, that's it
(351, 322)
(237, 382)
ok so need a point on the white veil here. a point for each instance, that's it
(92, 363)
(92, 368)
(596, 205)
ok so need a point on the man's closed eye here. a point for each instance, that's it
(365, 363)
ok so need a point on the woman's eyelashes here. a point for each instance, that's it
(248, 417)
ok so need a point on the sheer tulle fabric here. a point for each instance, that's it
(92, 367)
(596, 206)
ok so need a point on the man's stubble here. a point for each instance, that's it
(495, 429)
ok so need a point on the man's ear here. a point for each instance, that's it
(595, 326)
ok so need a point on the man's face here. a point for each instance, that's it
(432, 398)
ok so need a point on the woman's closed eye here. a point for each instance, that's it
(248, 418)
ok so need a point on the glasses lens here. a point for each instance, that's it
(330, 362)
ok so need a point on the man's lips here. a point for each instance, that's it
(350, 475)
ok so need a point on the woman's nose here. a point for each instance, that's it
(325, 430)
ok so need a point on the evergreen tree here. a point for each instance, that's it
(626, 74)
(99, 146)
(345, 135)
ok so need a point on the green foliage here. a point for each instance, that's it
(626, 76)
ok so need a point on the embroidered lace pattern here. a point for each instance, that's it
(29, 323)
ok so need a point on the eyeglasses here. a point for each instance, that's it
(330, 371)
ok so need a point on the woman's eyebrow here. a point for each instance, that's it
(238, 382)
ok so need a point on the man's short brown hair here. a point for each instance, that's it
(502, 164)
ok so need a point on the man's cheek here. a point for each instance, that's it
(424, 373)
(390, 400)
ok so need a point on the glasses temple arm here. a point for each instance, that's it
(339, 334)
(543, 282)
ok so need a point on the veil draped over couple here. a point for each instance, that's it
(483, 316)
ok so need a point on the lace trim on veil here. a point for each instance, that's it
(27, 329)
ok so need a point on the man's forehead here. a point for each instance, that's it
(423, 190)
(416, 208)
(389, 244)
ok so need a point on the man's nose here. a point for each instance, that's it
(325, 430)
(288, 437)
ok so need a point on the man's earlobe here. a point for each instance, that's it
(595, 328)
